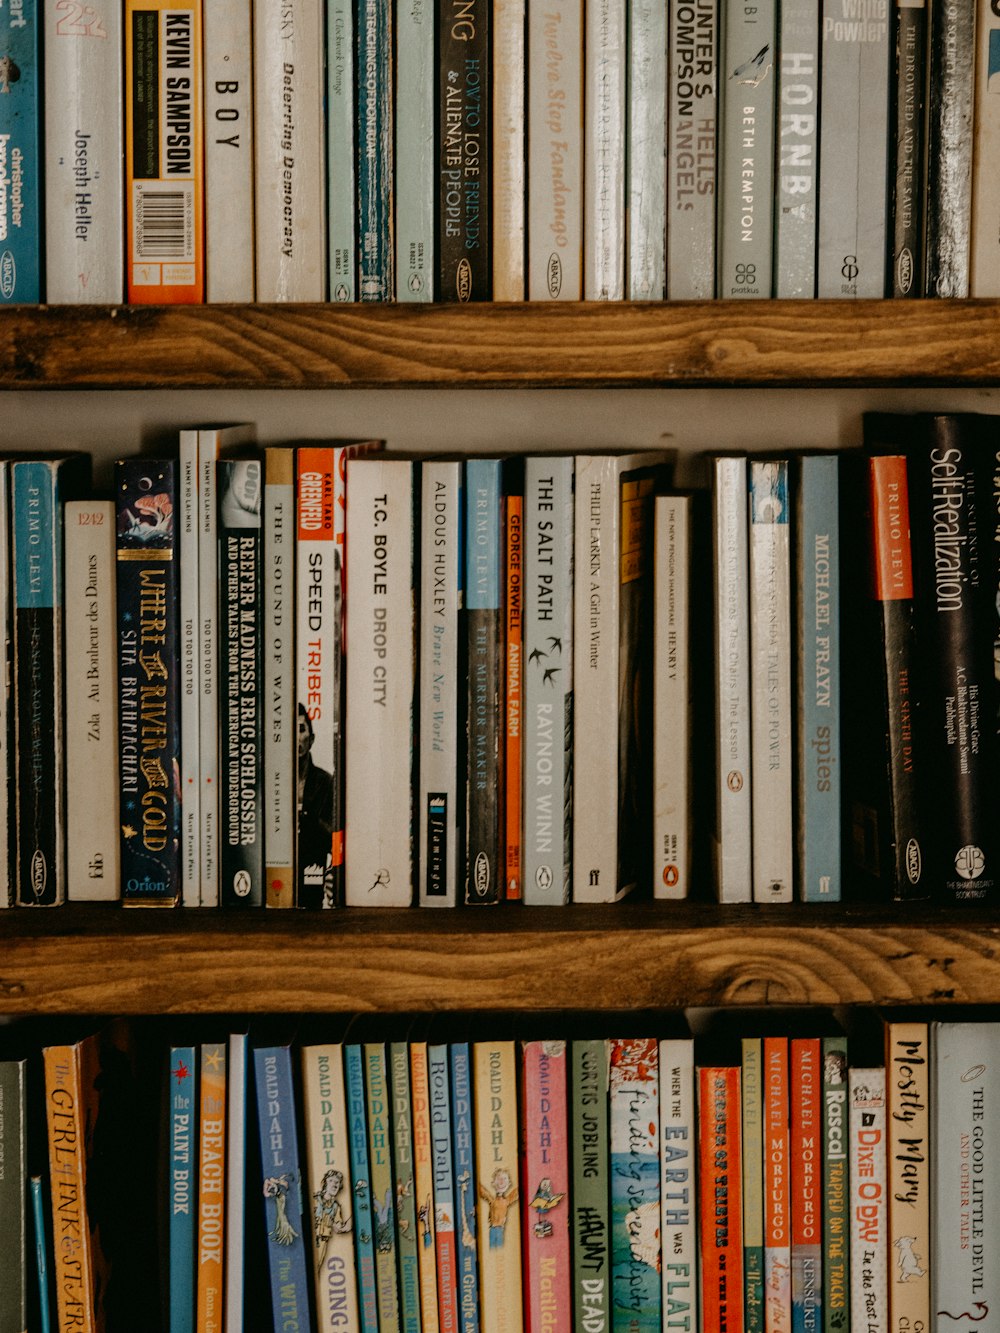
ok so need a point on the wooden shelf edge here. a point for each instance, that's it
(617, 959)
(530, 345)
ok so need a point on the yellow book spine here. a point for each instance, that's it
(212, 1189)
(908, 1084)
(72, 1255)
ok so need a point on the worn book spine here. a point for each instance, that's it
(423, 1186)
(547, 713)
(746, 150)
(869, 1245)
(634, 1168)
(672, 690)
(646, 136)
(444, 1188)
(555, 151)
(188, 531)
(545, 1172)
(590, 1218)
(908, 1169)
(720, 1210)
(183, 1120)
(21, 112)
(984, 241)
(950, 104)
(210, 1268)
(752, 1126)
(164, 152)
(465, 1168)
(92, 851)
(289, 151)
(836, 1187)
(341, 154)
(494, 1071)
(402, 1170)
(383, 1195)
(229, 212)
(464, 251)
(692, 123)
(513, 649)
(414, 151)
(84, 154)
(239, 489)
(605, 75)
(374, 42)
(906, 148)
(279, 782)
(805, 1136)
(13, 1196)
(777, 1188)
(357, 1126)
(509, 158)
(678, 1189)
(796, 155)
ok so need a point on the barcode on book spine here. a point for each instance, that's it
(164, 223)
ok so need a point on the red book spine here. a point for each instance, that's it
(513, 641)
(720, 1212)
(777, 1215)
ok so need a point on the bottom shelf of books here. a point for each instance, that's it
(652, 1171)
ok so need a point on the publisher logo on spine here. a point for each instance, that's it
(970, 862)
(8, 274)
(913, 866)
(241, 883)
(39, 873)
(481, 878)
(463, 280)
(553, 276)
(543, 878)
(904, 271)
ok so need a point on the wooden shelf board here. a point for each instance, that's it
(630, 956)
(584, 344)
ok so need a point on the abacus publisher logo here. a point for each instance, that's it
(554, 276)
(39, 873)
(904, 271)
(463, 280)
(913, 865)
(482, 876)
(8, 274)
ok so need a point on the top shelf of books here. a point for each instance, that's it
(551, 345)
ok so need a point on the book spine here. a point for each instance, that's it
(836, 1187)
(984, 268)
(444, 1188)
(513, 681)
(73, 1266)
(414, 152)
(817, 596)
(289, 151)
(545, 1188)
(746, 151)
(555, 151)
(494, 1069)
(777, 1189)
(798, 140)
(8, 797)
(374, 126)
(92, 853)
(509, 158)
(464, 251)
(84, 156)
(188, 524)
(229, 232)
(771, 682)
(382, 1193)
(605, 72)
(950, 103)
(805, 1151)
(906, 147)
(672, 690)
(465, 1187)
(21, 222)
(547, 713)
(633, 1125)
(402, 1167)
(678, 1209)
(720, 1207)
(590, 1064)
(869, 1245)
(211, 1187)
(423, 1184)
(440, 797)
(357, 1121)
(646, 136)
(240, 485)
(282, 1185)
(279, 676)
(908, 1174)
(13, 1196)
(236, 1163)
(851, 255)
(41, 1247)
(328, 1170)
(732, 680)
(691, 160)
(341, 153)
(381, 681)
(484, 856)
(165, 169)
(148, 681)
(752, 1085)
(208, 669)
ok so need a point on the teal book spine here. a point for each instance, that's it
(382, 1194)
(374, 145)
(20, 155)
(41, 1255)
(341, 152)
(406, 1209)
(357, 1130)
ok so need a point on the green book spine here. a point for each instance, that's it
(406, 1212)
(753, 1185)
(836, 1258)
(382, 1193)
(589, 1147)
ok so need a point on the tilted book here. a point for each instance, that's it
(836, 1186)
(21, 221)
(423, 1186)
(777, 1188)
(509, 188)
(13, 1195)
(692, 123)
(634, 1168)
(280, 751)
(546, 1202)
(229, 204)
(383, 1196)
(357, 1129)
(950, 102)
(752, 1126)
(466, 1196)
(494, 1073)
(406, 1204)
(211, 1264)
(806, 1098)
(869, 1244)
(341, 153)
(414, 152)
(374, 43)
(720, 1210)
(464, 250)
(797, 143)
(908, 1169)
(604, 95)
(672, 690)
(182, 1113)
(678, 1187)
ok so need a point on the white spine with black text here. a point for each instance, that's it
(229, 254)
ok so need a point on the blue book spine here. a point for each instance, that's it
(819, 758)
(485, 845)
(442, 1163)
(183, 1186)
(282, 1187)
(20, 156)
(41, 1255)
(382, 1194)
(340, 150)
(374, 98)
(357, 1132)
(465, 1188)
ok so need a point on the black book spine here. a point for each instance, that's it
(465, 265)
(240, 489)
(949, 146)
(906, 276)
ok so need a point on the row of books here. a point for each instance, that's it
(400, 1186)
(485, 149)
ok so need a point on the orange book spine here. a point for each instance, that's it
(777, 1214)
(72, 1254)
(514, 645)
(212, 1189)
(720, 1210)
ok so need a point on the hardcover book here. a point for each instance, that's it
(545, 1188)
(692, 123)
(374, 48)
(672, 691)
(211, 1149)
(464, 250)
(678, 1187)
(494, 1072)
(341, 152)
(229, 137)
(280, 759)
(414, 151)
(21, 221)
(869, 1243)
(634, 1169)
(605, 98)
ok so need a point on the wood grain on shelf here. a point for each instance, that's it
(765, 343)
(81, 960)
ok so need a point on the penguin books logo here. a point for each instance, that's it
(463, 281)
(482, 875)
(553, 276)
(8, 274)
(241, 883)
(39, 873)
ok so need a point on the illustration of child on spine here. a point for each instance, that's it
(328, 1212)
(500, 1198)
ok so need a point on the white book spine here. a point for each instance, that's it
(509, 166)
(869, 1222)
(84, 153)
(279, 676)
(289, 153)
(732, 681)
(678, 1191)
(647, 150)
(439, 797)
(985, 252)
(798, 129)
(229, 253)
(92, 835)
(555, 151)
(381, 679)
(771, 681)
(691, 161)
(189, 522)
(605, 45)
(341, 157)
(236, 1202)
(414, 157)
(6, 692)
(672, 699)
